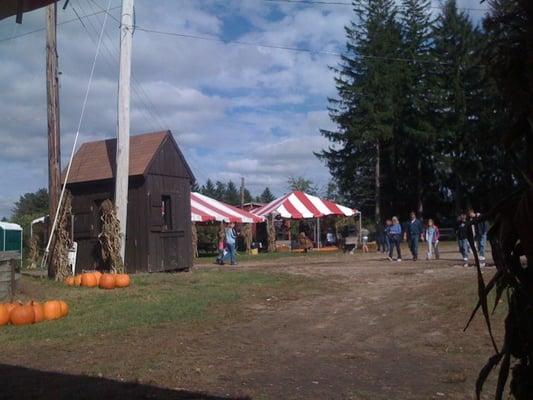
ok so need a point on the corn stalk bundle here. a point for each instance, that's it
(33, 252)
(247, 235)
(271, 233)
(62, 241)
(194, 234)
(109, 238)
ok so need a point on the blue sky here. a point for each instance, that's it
(236, 110)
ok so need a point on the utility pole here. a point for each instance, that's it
(242, 192)
(123, 131)
(54, 147)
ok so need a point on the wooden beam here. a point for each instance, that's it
(123, 131)
(54, 146)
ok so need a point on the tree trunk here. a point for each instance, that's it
(419, 188)
(457, 196)
(377, 212)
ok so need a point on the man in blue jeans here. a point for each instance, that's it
(231, 238)
(480, 235)
(414, 231)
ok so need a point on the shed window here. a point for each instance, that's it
(166, 212)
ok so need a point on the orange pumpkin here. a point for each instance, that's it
(52, 310)
(77, 280)
(64, 308)
(89, 280)
(22, 315)
(69, 280)
(38, 311)
(107, 281)
(10, 306)
(4, 315)
(97, 274)
(122, 280)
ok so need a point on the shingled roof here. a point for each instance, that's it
(95, 161)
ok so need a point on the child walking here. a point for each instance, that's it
(432, 239)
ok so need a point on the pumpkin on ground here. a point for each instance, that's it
(38, 311)
(107, 281)
(22, 315)
(4, 315)
(10, 306)
(97, 274)
(69, 280)
(77, 280)
(52, 310)
(122, 280)
(88, 279)
(64, 308)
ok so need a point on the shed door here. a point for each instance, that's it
(169, 242)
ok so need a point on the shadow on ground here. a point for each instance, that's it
(25, 383)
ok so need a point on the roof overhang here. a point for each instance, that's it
(8, 8)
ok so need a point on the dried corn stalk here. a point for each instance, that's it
(33, 252)
(194, 234)
(62, 241)
(247, 235)
(271, 233)
(110, 237)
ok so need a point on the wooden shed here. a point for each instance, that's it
(158, 234)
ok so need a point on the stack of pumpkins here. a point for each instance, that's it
(32, 312)
(96, 278)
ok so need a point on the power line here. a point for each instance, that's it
(60, 23)
(347, 4)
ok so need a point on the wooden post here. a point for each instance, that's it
(123, 131)
(54, 147)
(242, 193)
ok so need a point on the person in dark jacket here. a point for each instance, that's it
(462, 237)
(480, 234)
(413, 232)
(380, 238)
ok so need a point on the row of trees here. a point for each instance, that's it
(418, 115)
(229, 193)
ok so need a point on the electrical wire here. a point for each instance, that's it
(82, 114)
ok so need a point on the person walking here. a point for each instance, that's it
(388, 224)
(480, 235)
(380, 237)
(432, 238)
(413, 234)
(221, 244)
(231, 243)
(364, 239)
(462, 238)
(395, 236)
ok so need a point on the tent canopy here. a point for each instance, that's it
(204, 209)
(298, 205)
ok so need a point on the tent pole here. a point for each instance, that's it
(318, 231)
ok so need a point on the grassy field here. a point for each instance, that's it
(152, 301)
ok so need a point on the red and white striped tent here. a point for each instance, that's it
(205, 209)
(298, 205)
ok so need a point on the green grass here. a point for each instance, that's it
(152, 301)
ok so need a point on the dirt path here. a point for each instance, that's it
(377, 330)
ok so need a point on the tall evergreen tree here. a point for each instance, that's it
(365, 112)
(413, 144)
(266, 196)
(460, 85)
(220, 191)
(232, 195)
(208, 189)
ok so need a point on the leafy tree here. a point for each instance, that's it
(302, 184)
(30, 206)
(266, 196)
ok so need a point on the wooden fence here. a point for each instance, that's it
(8, 277)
